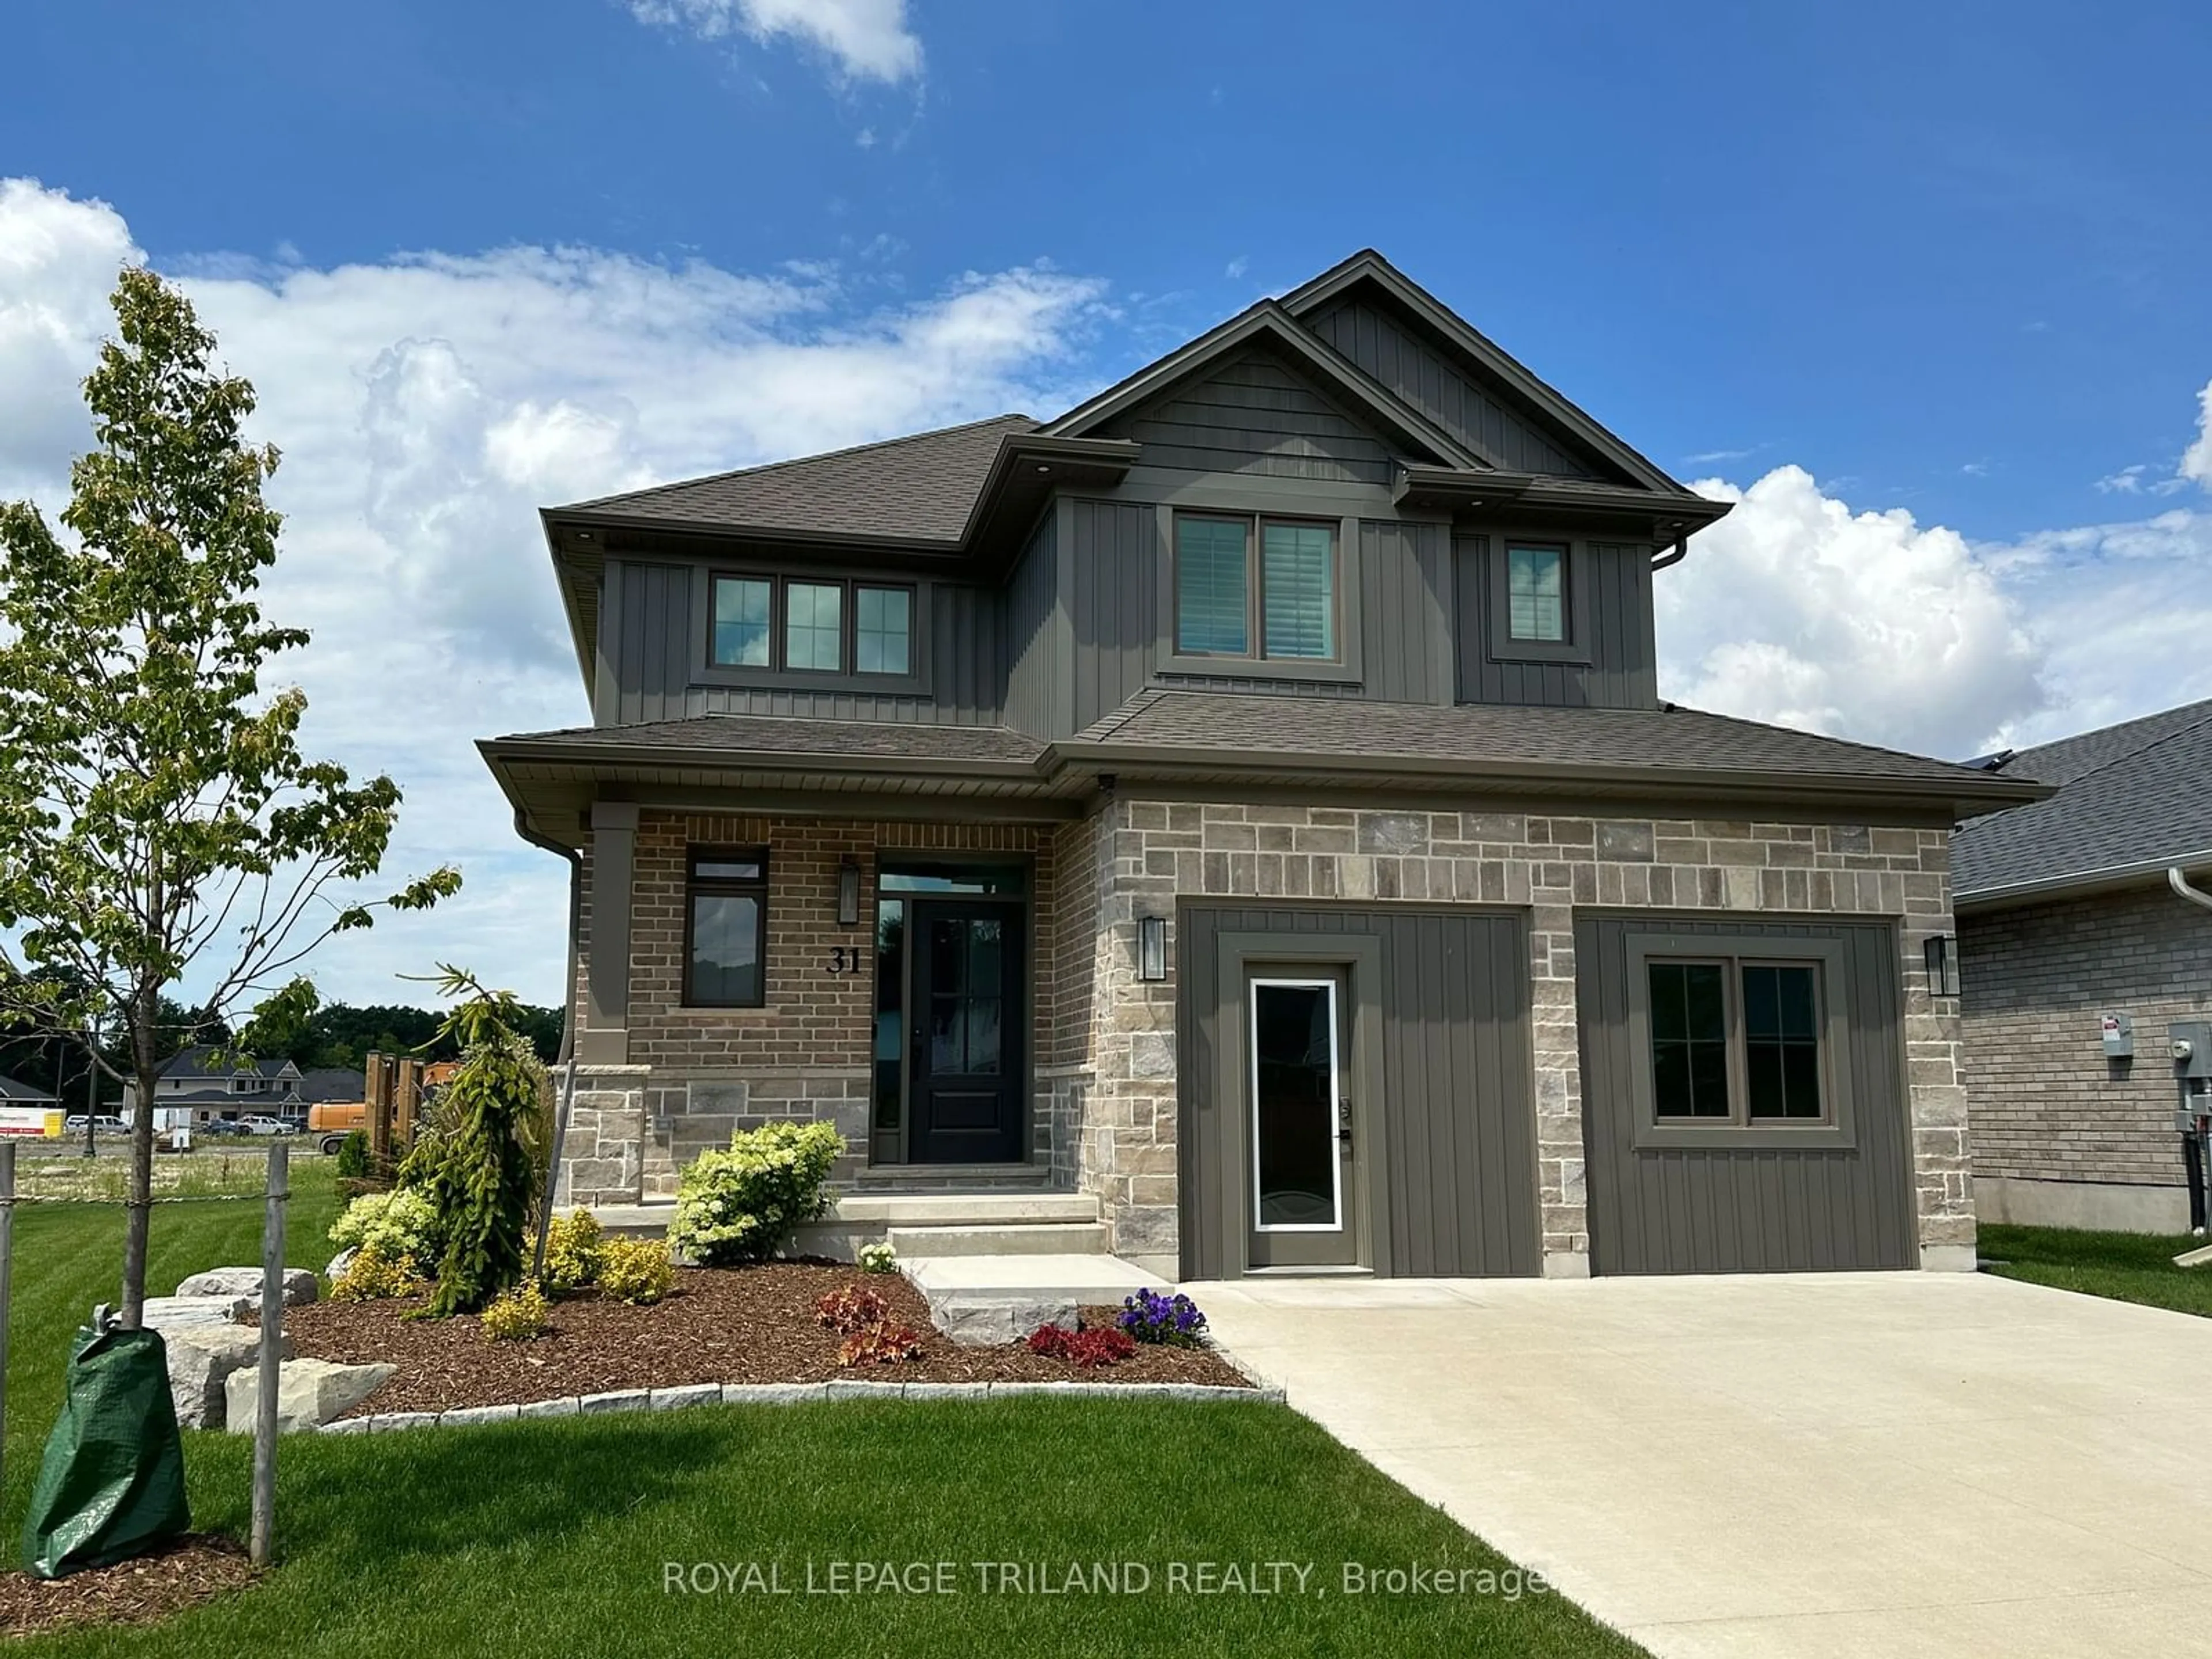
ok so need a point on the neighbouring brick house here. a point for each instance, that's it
(2066, 913)
(1245, 800)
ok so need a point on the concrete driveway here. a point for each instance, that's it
(1901, 1464)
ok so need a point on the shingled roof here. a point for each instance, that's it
(2133, 799)
(916, 489)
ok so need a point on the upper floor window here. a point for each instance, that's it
(1536, 593)
(1262, 588)
(811, 626)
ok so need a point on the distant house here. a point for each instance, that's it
(192, 1090)
(13, 1092)
(2065, 916)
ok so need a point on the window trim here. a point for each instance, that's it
(1170, 659)
(776, 674)
(695, 886)
(1836, 1128)
(1574, 572)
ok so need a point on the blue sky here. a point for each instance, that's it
(1925, 286)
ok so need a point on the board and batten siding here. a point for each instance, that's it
(1457, 1116)
(1755, 1209)
(1623, 671)
(1034, 627)
(1406, 363)
(1257, 416)
(655, 645)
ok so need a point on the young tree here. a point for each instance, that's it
(157, 819)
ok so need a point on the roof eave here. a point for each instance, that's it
(1676, 513)
(2080, 883)
(1961, 798)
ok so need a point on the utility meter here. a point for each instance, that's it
(2189, 1043)
(2119, 1034)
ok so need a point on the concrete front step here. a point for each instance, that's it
(1000, 1238)
(966, 1209)
(952, 1177)
(1080, 1278)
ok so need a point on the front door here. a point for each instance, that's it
(966, 1061)
(1298, 1118)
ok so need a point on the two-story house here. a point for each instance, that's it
(1246, 798)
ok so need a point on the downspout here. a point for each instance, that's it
(1674, 555)
(567, 1061)
(2179, 882)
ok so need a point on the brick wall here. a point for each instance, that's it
(2048, 1106)
(697, 1073)
(1149, 854)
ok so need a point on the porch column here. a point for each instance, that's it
(605, 1039)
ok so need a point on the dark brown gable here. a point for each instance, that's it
(1255, 413)
(1399, 353)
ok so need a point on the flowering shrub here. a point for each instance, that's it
(515, 1314)
(852, 1309)
(575, 1250)
(637, 1271)
(880, 1344)
(1150, 1316)
(376, 1273)
(878, 1259)
(1086, 1347)
(742, 1204)
(400, 1223)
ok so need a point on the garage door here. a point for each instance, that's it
(1429, 1007)
(1744, 1105)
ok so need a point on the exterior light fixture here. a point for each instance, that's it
(1941, 950)
(848, 893)
(1153, 949)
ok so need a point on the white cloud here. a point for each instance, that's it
(2196, 460)
(426, 407)
(1796, 609)
(868, 40)
(1237, 266)
(2128, 481)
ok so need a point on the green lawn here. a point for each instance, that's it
(555, 1537)
(2125, 1266)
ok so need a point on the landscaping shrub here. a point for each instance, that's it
(742, 1204)
(353, 1155)
(516, 1315)
(401, 1223)
(576, 1253)
(880, 1344)
(878, 1259)
(852, 1308)
(1086, 1347)
(1149, 1316)
(477, 1156)
(636, 1270)
(375, 1273)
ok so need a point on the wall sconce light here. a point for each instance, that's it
(848, 893)
(1941, 950)
(1153, 949)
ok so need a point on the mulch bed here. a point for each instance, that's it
(722, 1325)
(195, 1568)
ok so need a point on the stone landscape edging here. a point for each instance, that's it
(683, 1395)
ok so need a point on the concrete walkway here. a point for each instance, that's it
(1901, 1464)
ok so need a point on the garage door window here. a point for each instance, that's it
(1744, 1040)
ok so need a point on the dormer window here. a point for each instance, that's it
(1536, 593)
(808, 626)
(1256, 587)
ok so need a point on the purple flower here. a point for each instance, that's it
(1151, 1317)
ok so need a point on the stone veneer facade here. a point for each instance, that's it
(2063, 1136)
(1151, 854)
(1105, 1107)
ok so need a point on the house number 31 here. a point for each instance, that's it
(844, 960)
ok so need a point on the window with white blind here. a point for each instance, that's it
(1256, 587)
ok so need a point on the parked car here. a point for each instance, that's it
(260, 1124)
(220, 1126)
(105, 1124)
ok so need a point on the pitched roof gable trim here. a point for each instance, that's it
(1369, 266)
(1268, 320)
